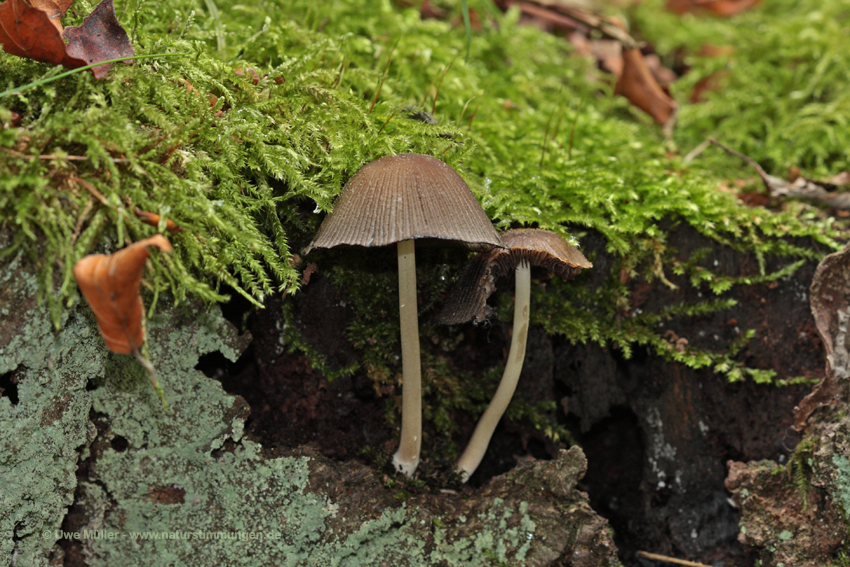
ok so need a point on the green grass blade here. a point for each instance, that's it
(71, 72)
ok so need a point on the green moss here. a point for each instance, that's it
(781, 98)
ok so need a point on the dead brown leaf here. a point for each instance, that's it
(27, 31)
(32, 29)
(639, 86)
(663, 76)
(830, 297)
(709, 50)
(100, 38)
(709, 83)
(110, 283)
(250, 74)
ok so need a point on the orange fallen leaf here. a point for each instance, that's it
(30, 32)
(717, 7)
(110, 283)
(639, 86)
(54, 9)
(32, 29)
(153, 220)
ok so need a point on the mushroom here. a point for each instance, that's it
(396, 199)
(468, 301)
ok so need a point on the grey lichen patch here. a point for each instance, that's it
(238, 509)
(41, 434)
(509, 541)
(177, 494)
(842, 481)
(178, 337)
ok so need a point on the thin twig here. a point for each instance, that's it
(692, 155)
(657, 557)
(762, 173)
(573, 130)
(558, 125)
(776, 186)
(546, 137)
(564, 14)
(472, 117)
(83, 216)
(79, 69)
(91, 189)
(436, 94)
(390, 118)
(342, 69)
(384, 76)
(463, 111)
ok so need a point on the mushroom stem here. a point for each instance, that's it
(406, 459)
(474, 452)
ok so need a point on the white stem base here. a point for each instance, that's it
(406, 459)
(474, 452)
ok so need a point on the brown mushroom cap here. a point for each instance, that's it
(468, 299)
(402, 197)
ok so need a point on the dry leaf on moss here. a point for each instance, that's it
(28, 31)
(829, 301)
(717, 7)
(110, 283)
(54, 9)
(33, 30)
(639, 86)
(100, 38)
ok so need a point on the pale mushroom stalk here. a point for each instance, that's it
(525, 248)
(394, 200)
(474, 452)
(406, 459)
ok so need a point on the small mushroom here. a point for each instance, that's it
(468, 301)
(396, 199)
